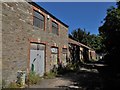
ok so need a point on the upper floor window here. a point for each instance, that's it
(38, 19)
(54, 28)
(64, 50)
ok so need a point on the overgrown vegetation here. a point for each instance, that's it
(14, 85)
(11, 85)
(34, 78)
(50, 75)
(61, 70)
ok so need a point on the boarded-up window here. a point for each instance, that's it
(38, 20)
(64, 57)
(54, 55)
(54, 28)
(64, 50)
(35, 46)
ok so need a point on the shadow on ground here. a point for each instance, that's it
(91, 79)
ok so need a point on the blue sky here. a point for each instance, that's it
(82, 15)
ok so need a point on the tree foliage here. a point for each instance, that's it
(91, 40)
(110, 32)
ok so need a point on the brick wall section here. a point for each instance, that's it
(18, 31)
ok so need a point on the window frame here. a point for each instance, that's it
(53, 26)
(64, 50)
(42, 21)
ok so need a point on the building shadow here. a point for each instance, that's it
(93, 78)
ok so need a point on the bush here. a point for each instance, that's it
(34, 78)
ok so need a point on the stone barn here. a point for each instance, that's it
(79, 52)
(32, 39)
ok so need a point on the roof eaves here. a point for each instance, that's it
(79, 44)
(38, 6)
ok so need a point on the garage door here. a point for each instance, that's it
(37, 58)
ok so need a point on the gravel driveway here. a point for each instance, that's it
(84, 80)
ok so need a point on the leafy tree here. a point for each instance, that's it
(77, 35)
(110, 32)
(94, 41)
(91, 40)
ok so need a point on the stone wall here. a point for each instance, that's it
(0, 45)
(18, 32)
(16, 28)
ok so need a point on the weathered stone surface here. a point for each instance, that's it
(17, 29)
(15, 18)
(0, 45)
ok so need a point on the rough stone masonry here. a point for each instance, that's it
(17, 29)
